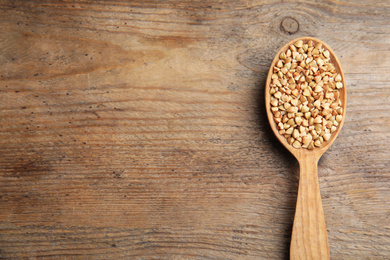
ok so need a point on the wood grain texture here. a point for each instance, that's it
(137, 129)
(309, 238)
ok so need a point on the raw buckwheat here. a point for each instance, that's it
(305, 97)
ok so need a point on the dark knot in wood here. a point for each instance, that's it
(289, 25)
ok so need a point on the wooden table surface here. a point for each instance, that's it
(137, 129)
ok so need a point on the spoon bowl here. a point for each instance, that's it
(309, 237)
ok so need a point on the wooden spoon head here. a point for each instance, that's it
(302, 153)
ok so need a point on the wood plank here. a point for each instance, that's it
(138, 129)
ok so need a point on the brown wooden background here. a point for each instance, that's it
(137, 129)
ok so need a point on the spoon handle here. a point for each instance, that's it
(309, 239)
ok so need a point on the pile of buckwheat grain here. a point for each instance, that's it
(305, 97)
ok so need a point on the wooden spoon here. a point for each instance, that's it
(309, 237)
